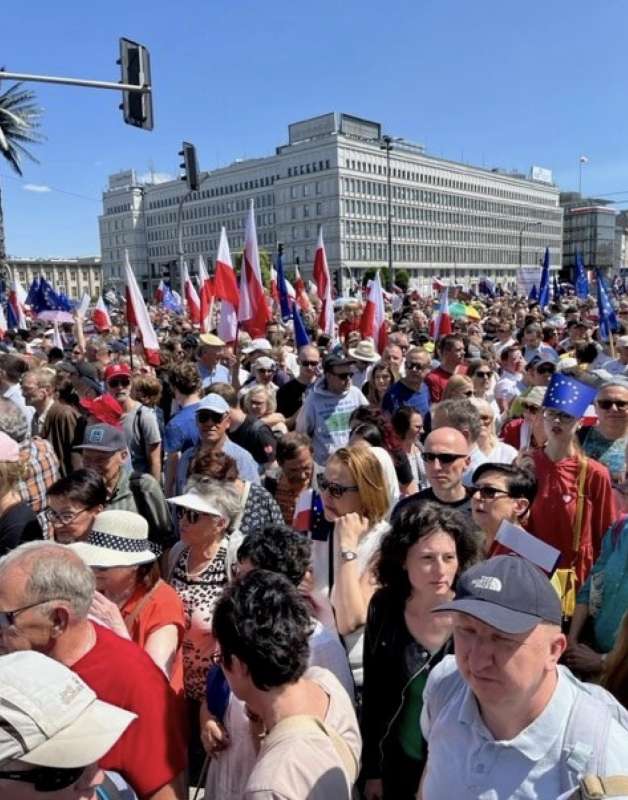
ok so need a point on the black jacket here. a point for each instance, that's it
(385, 640)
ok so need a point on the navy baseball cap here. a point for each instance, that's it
(103, 437)
(508, 593)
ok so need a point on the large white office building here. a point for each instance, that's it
(447, 219)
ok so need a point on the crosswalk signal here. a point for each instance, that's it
(189, 166)
(137, 107)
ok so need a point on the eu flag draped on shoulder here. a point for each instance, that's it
(582, 282)
(544, 286)
(608, 320)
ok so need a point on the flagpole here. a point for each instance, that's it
(128, 324)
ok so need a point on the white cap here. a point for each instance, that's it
(263, 362)
(257, 344)
(50, 717)
(196, 502)
(213, 402)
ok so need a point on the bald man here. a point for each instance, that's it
(446, 457)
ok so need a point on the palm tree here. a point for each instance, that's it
(19, 121)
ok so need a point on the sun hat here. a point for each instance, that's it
(117, 539)
(211, 339)
(105, 408)
(113, 370)
(508, 593)
(103, 437)
(263, 362)
(365, 351)
(50, 717)
(196, 502)
(213, 402)
(9, 449)
(256, 344)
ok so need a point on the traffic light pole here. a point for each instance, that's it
(184, 197)
(120, 87)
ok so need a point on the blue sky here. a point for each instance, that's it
(490, 82)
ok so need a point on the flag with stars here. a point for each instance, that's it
(608, 319)
(569, 395)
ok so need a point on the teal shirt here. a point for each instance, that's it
(606, 589)
(611, 453)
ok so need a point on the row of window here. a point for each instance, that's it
(214, 210)
(305, 169)
(209, 246)
(217, 191)
(425, 221)
(205, 228)
(306, 211)
(118, 209)
(442, 254)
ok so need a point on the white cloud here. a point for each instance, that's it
(36, 187)
(155, 177)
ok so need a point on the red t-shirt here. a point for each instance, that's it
(152, 750)
(436, 380)
(553, 512)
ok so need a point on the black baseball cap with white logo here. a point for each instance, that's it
(508, 593)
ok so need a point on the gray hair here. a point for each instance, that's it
(54, 573)
(458, 413)
(13, 421)
(224, 496)
(271, 400)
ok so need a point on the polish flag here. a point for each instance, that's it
(192, 302)
(302, 520)
(373, 323)
(253, 311)
(226, 290)
(303, 301)
(438, 285)
(100, 316)
(274, 289)
(441, 325)
(159, 292)
(511, 538)
(137, 315)
(322, 279)
(15, 307)
(290, 289)
(206, 296)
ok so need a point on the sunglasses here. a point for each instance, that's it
(343, 376)
(444, 458)
(417, 367)
(190, 514)
(335, 489)
(559, 416)
(468, 393)
(483, 374)
(529, 408)
(608, 404)
(205, 415)
(46, 779)
(116, 383)
(310, 363)
(487, 492)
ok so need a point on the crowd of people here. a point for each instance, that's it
(265, 572)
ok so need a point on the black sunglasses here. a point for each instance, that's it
(336, 490)
(487, 492)
(416, 367)
(205, 415)
(115, 383)
(46, 779)
(444, 458)
(310, 363)
(483, 374)
(608, 404)
(342, 375)
(191, 515)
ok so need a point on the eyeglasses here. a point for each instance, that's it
(216, 658)
(190, 514)
(119, 383)
(414, 367)
(7, 618)
(560, 416)
(63, 517)
(204, 415)
(310, 363)
(444, 458)
(482, 374)
(608, 404)
(488, 492)
(336, 490)
(530, 409)
(46, 779)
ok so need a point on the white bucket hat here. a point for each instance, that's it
(50, 717)
(117, 539)
(365, 351)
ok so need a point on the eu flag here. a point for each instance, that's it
(569, 395)
(300, 334)
(533, 293)
(544, 288)
(608, 320)
(582, 283)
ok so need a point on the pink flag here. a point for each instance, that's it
(137, 314)
(226, 290)
(100, 316)
(192, 302)
(441, 325)
(253, 311)
(206, 295)
(373, 323)
(303, 301)
(323, 287)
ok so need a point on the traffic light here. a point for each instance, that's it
(190, 166)
(137, 107)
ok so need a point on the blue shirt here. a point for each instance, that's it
(247, 468)
(182, 430)
(219, 374)
(401, 395)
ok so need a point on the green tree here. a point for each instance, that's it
(265, 263)
(19, 120)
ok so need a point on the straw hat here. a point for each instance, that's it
(365, 351)
(117, 539)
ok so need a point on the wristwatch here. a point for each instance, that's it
(348, 555)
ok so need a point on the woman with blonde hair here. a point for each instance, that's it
(355, 500)
(261, 403)
(458, 386)
(18, 522)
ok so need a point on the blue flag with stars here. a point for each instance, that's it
(544, 286)
(608, 320)
(582, 282)
(533, 293)
(300, 334)
(569, 395)
(44, 298)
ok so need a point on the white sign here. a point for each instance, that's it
(527, 277)
(541, 174)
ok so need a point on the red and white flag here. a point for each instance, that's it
(206, 295)
(100, 316)
(192, 302)
(511, 538)
(438, 285)
(373, 323)
(159, 292)
(253, 311)
(226, 290)
(303, 301)
(137, 315)
(17, 317)
(274, 291)
(302, 519)
(441, 325)
(322, 279)
(3, 323)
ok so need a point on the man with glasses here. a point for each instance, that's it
(139, 422)
(53, 732)
(290, 395)
(46, 592)
(606, 442)
(328, 406)
(446, 457)
(411, 390)
(213, 419)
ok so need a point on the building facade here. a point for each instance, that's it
(72, 276)
(589, 227)
(447, 219)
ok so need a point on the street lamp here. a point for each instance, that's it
(387, 146)
(526, 226)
